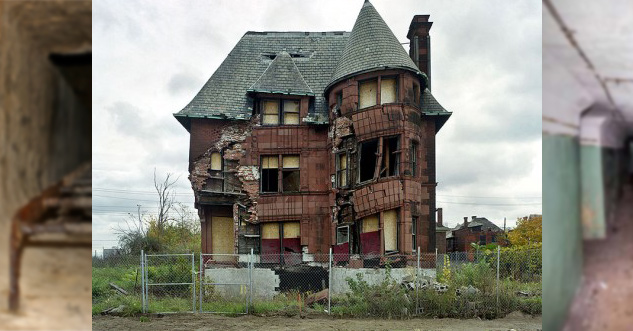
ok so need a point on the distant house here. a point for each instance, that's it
(440, 233)
(109, 252)
(479, 230)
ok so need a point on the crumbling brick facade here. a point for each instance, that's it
(332, 148)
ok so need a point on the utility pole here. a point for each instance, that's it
(140, 224)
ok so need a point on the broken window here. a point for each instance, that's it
(494, 238)
(270, 112)
(391, 230)
(342, 235)
(367, 93)
(368, 159)
(414, 158)
(482, 239)
(291, 112)
(414, 231)
(290, 173)
(215, 182)
(341, 170)
(370, 236)
(339, 99)
(281, 240)
(388, 90)
(270, 174)
(390, 156)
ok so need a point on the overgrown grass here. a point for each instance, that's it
(387, 299)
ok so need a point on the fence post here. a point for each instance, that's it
(329, 291)
(193, 282)
(250, 281)
(498, 258)
(142, 283)
(417, 283)
(435, 258)
(201, 277)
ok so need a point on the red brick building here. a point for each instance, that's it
(479, 230)
(306, 141)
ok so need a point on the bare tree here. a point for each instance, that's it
(166, 197)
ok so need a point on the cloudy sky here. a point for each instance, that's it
(151, 58)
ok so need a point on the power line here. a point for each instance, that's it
(491, 204)
(476, 197)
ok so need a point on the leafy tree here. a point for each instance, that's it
(529, 230)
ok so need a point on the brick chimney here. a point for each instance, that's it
(465, 221)
(439, 217)
(473, 218)
(420, 43)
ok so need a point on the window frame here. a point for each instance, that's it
(413, 157)
(339, 171)
(338, 242)
(366, 81)
(397, 88)
(281, 111)
(360, 160)
(398, 152)
(414, 232)
(283, 170)
(261, 174)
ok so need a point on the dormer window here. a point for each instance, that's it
(270, 112)
(275, 112)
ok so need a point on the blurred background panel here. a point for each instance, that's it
(45, 133)
(587, 164)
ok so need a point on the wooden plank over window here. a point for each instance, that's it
(367, 94)
(291, 111)
(270, 112)
(391, 227)
(216, 161)
(388, 90)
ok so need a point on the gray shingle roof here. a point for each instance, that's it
(480, 221)
(372, 46)
(282, 76)
(431, 107)
(224, 95)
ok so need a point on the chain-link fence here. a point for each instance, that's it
(483, 283)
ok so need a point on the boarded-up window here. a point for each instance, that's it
(216, 161)
(367, 94)
(341, 170)
(292, 230)
(391, 230)
(370, 236)
(270, 112)
(388, 90)
(291, 111)
(270, 231)
(270, 173)
(290, 173)
(370, 224)
(368, 159)
(390, 156)
(222, 236)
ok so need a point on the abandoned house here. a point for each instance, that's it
(305, 141)
(479, 231)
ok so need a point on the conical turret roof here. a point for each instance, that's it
(282, 76)
(371, 46)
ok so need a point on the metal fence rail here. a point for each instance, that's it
(485, 283)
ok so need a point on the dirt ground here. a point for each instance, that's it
(604, 300)
(56, 289)
(515, 321)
